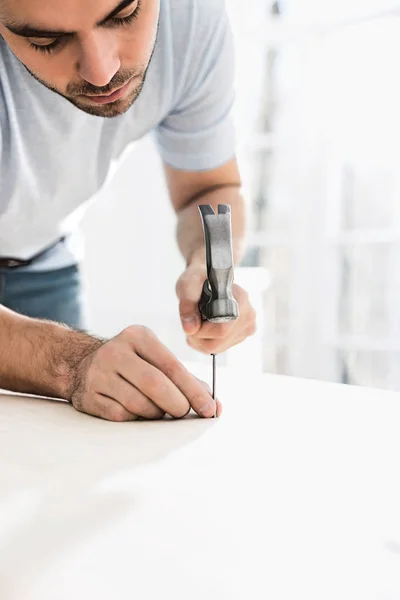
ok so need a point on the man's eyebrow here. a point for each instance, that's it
(25, 30)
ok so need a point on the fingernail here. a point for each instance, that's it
(189, 320)
(208, 410)
(189, 324)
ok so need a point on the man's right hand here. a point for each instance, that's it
(135, 376)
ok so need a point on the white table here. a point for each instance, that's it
(293, 494)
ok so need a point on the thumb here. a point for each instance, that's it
(190, 317)
(188, 289)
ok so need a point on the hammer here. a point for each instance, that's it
(217, 304)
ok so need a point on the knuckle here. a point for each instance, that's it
(110, 352)
(116, 413)
(154, 383)
(185, 414)
(129, 332)
(130, 402)
(189, 306)
(201, 400)
(137, 404)
(240, 294)
(205, 385)
(179, 284)
(218, 331)
(197, 345)
(212, 346)
(185, 306)
(135, 332)
(205, 346)
(173, 370)
(252, 329)
(156, 415)
(145, 331)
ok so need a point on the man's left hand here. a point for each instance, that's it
(211, 338)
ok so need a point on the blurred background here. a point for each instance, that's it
(317, 115)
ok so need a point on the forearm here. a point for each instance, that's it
(190, 234)
(39, 357)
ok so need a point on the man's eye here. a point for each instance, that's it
(125, 20)
(48, 47)
(45, 47)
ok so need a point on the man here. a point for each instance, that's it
(79, 81)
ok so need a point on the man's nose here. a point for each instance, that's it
(99, 60)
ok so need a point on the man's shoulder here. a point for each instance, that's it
(193, 27)
(198, 13)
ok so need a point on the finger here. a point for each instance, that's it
(156, 386)
(106, 408)
(209, 346)
(231, 344)
(217, 402)
(188, 290)
(240, 294)
(165, 380)
(215, 331)
(124, 392)
(219, 408)
(190, 317)
(205, 385)
(214, 346)
(219, 331)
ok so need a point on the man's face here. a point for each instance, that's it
(95, 53)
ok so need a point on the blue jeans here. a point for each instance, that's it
(54, 295)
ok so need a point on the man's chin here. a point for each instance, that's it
(112, 109)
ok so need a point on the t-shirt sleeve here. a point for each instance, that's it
(198, 133)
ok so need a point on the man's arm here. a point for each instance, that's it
(187, 191)
(39, 357)
(133, 375)
(190, 189)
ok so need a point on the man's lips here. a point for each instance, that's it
(107, 98)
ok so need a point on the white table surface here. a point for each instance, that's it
(293, 494)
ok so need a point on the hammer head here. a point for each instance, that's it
(217, 303)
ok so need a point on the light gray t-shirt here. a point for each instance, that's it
(54, 157)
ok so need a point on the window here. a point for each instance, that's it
(323, 181)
